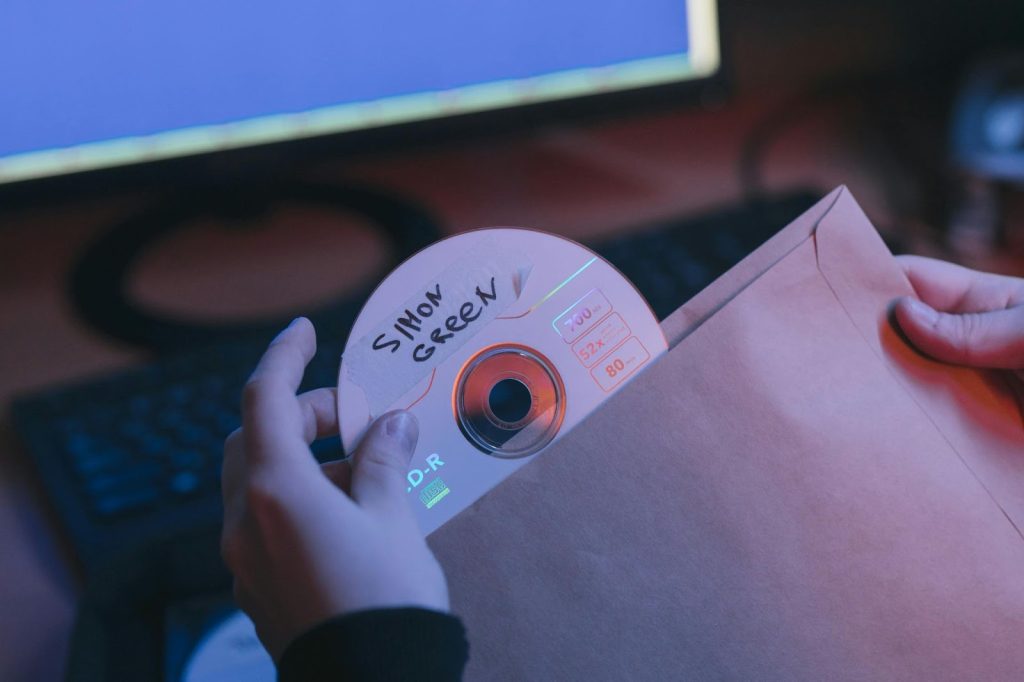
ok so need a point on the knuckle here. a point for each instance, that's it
(263, 502)
(958, 333)
(252, 393)
(972, 329)
(383, 460)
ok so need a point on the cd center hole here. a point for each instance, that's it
(510, 400)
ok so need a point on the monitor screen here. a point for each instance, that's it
(89, 85)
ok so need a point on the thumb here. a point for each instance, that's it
(380, 463)
(983, 339)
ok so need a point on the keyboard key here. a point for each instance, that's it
(184, 483)
(126, 502)
(95, 458)
(172, 418)
(138, 474)
(186, 459)
(179, 394)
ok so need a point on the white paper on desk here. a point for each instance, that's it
(791, 494)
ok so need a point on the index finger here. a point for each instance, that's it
(270, 409)
(941, 285)
(955, 289)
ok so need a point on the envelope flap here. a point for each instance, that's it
(844, 237)
(717, 294)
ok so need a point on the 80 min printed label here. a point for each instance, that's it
(620, 364)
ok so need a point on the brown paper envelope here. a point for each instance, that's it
(789, 493)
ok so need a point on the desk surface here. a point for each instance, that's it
(580, 183)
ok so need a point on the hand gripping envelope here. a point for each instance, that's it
(790, 493)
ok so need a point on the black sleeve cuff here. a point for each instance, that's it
(380, 644)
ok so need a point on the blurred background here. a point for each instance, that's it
(178, 181)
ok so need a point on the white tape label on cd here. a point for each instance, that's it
(434, 322)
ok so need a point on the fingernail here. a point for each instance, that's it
(923, 312)
(402, 427)
(285, 330)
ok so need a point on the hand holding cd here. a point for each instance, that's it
(306, 542)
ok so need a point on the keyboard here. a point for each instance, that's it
(133, 459)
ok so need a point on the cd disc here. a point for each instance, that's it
(500, 341)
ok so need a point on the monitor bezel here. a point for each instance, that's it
(288, 158)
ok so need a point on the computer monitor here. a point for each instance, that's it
(89, 86)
